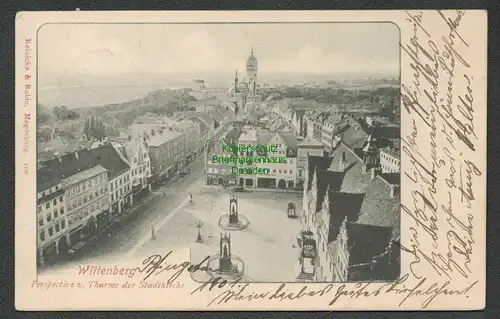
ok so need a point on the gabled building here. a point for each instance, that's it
(141, 177)
(352, 211)
(84, 182)
(119, 177)
(217, 173)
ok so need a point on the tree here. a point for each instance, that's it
(94, 129)
(43, 114)
(63, 113)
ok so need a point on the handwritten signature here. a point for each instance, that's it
(155, 265)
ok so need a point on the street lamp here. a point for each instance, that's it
(198, 224)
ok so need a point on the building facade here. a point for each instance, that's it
(305, 148)
(352, 212)
(390, 160)
(52, 222)
(141, 177)
(166, 150)
(217, 173)
(87, 200)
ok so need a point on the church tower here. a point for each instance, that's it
(252, 68)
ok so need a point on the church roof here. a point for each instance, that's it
(252, 62)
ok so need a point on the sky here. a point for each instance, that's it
(112, 50)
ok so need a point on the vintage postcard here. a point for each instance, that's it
(251, 160)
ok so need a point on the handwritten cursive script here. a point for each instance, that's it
(155, 265)
(439, 103)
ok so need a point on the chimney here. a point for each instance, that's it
(76, 154)
(342, 163)
(394, 190)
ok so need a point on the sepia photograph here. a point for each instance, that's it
(250, 161)
(274, 153)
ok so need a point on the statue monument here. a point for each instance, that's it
(233, 220)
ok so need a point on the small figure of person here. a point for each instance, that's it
(153, 233)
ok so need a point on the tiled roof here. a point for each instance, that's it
(46, 179)
(264, 137)
(318, 164)
(387, 131)
(232, 136)
(290, 139)
(334, 119)
(355, 179)
(366, 241)
(379, 209)
(108, 157)
(83, 175)
(131, 147)
(391, 178)
(309, 142)
(341, 206)
(354, 137)
(53, 171)
(161, 138)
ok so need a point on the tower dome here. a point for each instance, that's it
(252, 62)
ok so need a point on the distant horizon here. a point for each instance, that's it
(93, 91)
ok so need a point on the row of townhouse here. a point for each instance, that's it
(172, 144)
(281, 175)
(350, 218)
(81, 192)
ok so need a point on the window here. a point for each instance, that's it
(54, 201)
(57, 228)
(97, 193)
(43, 194)
(40, 221)
(51, 231)
(61, 211)
(60, 199)
(55, 213)
(111, 187)
(91, 196)
(79, 201)
(279, 171)
(291, 171)
(47, 205)
(112, 197)
(39, 208)
(42, 235)
(63, 224)
(49, 218)
(83, 186)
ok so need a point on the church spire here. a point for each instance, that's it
(252, 50)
